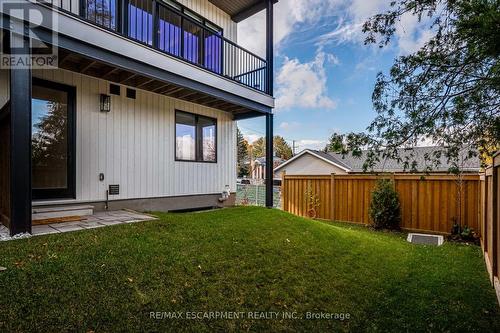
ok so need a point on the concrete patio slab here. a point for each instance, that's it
(43, 230)
(67, 228)
(98, 220)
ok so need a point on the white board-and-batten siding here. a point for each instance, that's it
(215, 15)
(202, 7)
(134, 144)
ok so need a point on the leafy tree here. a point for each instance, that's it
(259, 148)
(100, 11)
(448, 91)
(242, 153)
(281, 148)
(335, 144)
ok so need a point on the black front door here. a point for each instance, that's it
(53, 140)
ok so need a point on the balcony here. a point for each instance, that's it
(170, 30)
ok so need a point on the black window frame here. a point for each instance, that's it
(190, 14)
(70, 191)
(198, 138)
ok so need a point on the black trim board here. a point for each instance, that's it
(20, 143)
(269, 160)
(121, 61)
(248, 115)
(269, 116)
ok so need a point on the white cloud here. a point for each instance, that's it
(350, 16)
(311, 144)
(252, 32)
(251, 138)
(286, 126)
(288, 14)
(367, 64)
(303, 84)
(332, 58)
(411, 34)
(343, 33)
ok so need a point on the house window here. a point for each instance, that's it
(102, 12)
(52, 140)
(195, 137)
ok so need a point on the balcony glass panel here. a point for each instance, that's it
(213, 52)
(169, 37)
(140, 21)
(193, 35)
(102, 12)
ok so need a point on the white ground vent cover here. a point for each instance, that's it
(425, 239)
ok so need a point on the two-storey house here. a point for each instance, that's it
(110, 104)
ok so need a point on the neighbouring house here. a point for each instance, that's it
(315, 162)
(138, 111)
(258, 167)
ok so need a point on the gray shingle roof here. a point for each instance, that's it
(355, 164)
(333, 158)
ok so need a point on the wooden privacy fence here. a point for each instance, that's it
(490, 220)
(428, 202)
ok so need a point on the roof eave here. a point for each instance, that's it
(250, 11)
(240, 10)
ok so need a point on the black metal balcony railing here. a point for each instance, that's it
(166, 29)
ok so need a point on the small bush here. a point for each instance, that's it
(313, 202)
(385, 207)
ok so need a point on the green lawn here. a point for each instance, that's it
(241, 259)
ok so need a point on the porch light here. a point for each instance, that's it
(105, 103)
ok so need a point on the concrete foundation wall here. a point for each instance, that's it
(164, 204)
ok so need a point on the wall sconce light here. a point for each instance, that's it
(105, 102)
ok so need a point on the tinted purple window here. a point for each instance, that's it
(169, 39)
(213, 51)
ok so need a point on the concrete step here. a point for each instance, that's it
(43, 213)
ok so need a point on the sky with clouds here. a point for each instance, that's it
(324, 74)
